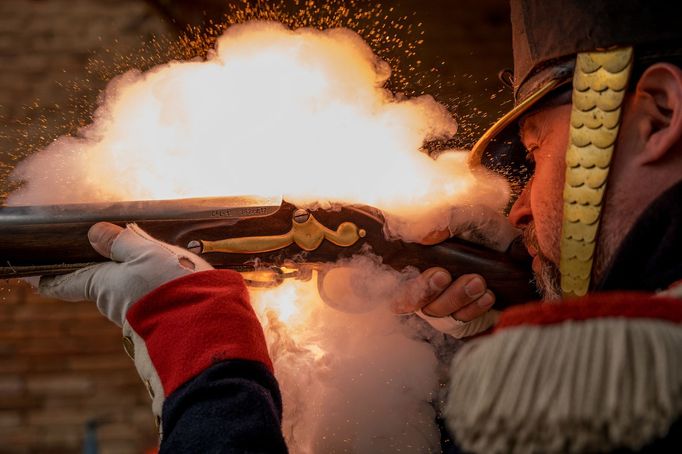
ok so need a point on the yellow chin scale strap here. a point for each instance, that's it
(600, 81)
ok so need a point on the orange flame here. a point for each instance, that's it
(271, 112)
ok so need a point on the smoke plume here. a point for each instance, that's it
(271, 111)
(361, 380)
(303, 114)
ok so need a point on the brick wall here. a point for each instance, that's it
(62, 364)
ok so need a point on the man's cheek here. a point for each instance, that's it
(548, 245)
(554, 240)
(547, 218)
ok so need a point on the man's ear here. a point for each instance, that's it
(658, 98)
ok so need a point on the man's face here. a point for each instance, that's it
(539, 209)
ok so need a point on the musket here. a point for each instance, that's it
(247, 234)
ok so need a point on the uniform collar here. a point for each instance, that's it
(650, 256)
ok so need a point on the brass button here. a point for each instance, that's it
(150, 390)
(129, 347)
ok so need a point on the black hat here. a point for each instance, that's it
(547, 36)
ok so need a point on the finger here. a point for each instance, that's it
(90, 284)
(74, 286)
(475, 309)
(130, 243)
(421, 290)
(102, 236)
(466, 289)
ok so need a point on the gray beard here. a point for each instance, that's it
(547, 280)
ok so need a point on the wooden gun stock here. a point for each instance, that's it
(246, 234)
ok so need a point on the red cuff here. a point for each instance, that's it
(194, 321)
(596, 305)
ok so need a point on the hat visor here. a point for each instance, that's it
(477, 152)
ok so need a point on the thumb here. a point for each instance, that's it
(102, 236)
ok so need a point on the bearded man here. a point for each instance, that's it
(597, 125)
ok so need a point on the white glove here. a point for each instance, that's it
(140, 264)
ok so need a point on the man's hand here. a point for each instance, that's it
(460, 308)
(436, 295)
(139, 264)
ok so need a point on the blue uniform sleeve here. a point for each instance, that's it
(234, 406)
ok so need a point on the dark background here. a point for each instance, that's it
(61, 364)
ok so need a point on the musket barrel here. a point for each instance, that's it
(158, 210)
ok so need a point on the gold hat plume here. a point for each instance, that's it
(600, 80)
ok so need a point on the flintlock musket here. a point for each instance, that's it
(247, 234)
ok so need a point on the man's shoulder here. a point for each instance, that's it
(590, 374)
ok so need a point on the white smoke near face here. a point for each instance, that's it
(303, 114)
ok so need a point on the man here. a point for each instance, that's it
(592, 374)
(598, 91)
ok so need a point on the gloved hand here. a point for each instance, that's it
(139, 264)
(175, 326)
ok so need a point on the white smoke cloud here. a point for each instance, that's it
(272, 111)
(303, 114)
(361, 380)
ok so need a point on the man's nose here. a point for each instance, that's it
(520, 214)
